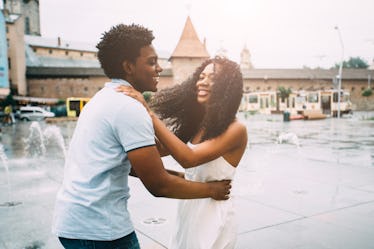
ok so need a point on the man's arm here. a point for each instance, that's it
(148, 166)
(172, 172)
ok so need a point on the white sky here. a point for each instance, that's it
(278, 33)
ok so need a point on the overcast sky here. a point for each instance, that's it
(279, 34)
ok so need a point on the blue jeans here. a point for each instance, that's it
(128, 242)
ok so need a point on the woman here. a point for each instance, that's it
(208, 141)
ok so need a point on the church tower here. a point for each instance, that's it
(222, 51)
(189, 53)
(29, 9)
(245, 58)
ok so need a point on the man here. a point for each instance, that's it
(114, 135)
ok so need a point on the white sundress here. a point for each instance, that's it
(206, 223)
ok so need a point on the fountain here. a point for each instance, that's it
(40, 143)
(274, 168)
(4, 161)
(52, 135)
(35, 146)
(289, 138)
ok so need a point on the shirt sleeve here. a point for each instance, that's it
(134, 128)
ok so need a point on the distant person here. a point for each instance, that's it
(8, 119)
(114, 137)
(202, 112)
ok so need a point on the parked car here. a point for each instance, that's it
(33, 113)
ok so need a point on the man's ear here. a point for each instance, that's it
(128, 67)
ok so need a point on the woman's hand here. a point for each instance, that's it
(130, 91)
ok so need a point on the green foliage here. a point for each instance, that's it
(353, 62)
(61, 102)
(367, 92)
(283, 92)
(8, 101)
(147, 96)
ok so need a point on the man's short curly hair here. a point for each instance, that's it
(122, 42)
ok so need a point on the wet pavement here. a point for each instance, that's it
(301, 185)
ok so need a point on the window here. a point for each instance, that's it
(253, 99)
(27, 25)
(313, 97)
(272, 101)
(50, 51)
(66, 52)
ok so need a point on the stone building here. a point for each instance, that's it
(188, 54)
(29, 9)
(353, 80)
(245, 59)
(16, 53)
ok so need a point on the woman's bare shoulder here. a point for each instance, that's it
(238, 126)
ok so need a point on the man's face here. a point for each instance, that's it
(145, 72)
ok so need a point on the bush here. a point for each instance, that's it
(367, 92)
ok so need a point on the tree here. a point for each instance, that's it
(147, 96)
(284, 93)
(353, 62)
(9, 100)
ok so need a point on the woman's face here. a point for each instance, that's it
(204, 84)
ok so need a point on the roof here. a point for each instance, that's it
(189, 44)
(309, 74)
(33, 60)
(58, 43)
(12, 18)
(45, 66)
(57, 72)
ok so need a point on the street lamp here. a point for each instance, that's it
(340, 69)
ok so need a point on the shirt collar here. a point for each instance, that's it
(115, 82)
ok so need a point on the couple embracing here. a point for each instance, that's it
(119, 134)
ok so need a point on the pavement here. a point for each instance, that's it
(316, 193)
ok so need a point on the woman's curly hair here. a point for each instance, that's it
(178, 106)
(122, 42)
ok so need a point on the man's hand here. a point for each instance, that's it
(220, 190)
(130, 91)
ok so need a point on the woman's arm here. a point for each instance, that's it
(231, 144)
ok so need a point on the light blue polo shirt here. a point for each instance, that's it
(92, 201)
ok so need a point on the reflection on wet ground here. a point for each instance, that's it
(290, 171)
(349, 140)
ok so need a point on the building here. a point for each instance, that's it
(29, 9)
(55, 69)
(245, 59)
(189, 53)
